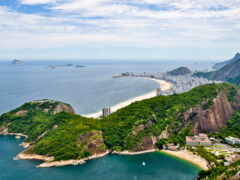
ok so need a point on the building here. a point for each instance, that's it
(232, 140)
(200, 140)
(171, 147)
(158, 91)
(106, 111)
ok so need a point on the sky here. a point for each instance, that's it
(119, 29)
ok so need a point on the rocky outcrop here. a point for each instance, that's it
(93, 142)
(147, 143)
(45, 105)
(213, 118)
(61, 107)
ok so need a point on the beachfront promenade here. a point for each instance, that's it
(167, 85)
(164, 86)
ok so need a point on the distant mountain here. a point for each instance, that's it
(222, 64)
(16, 61)
(179, 71)
(229, 72)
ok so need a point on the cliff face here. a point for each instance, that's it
(92, 142)
(63, 108)
(213, 118)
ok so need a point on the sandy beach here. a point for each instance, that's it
(134, 153)
(190, 157)
(163, 85)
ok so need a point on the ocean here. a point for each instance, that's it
(158, 166)
(88, 90)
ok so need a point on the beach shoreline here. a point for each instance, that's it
(189, 157)
(5, 132)
(49, 161)
(163, 85)
(134, 153)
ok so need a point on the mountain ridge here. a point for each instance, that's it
(229, 72)
(219, 65)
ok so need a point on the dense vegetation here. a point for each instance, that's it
(164, 111)
(32, 124)
(221, 172)
(232, 128)
(69, 136)
(64, 142)
(31, 119)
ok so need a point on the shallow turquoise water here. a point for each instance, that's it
(111, 167)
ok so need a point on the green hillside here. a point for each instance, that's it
(66, 135)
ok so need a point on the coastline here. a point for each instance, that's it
(163, 85)
(189, 157)
(134, 153)
(49, 161)
(5, 132)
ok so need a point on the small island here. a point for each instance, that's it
(17, 61)
(66, 65)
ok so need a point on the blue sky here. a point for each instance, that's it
(119, 29)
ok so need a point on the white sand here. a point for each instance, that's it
(189, 156)
(134, 153)
(163, 85)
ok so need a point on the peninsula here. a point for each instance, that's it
(161, 122)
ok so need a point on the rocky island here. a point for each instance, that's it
(66, 65)
(16, 61)
(58, 136)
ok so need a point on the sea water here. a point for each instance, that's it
(157, 166)
(87, 89)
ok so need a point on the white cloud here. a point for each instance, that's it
(185, 23)
(34, 2)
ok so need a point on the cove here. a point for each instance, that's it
(158, 166)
